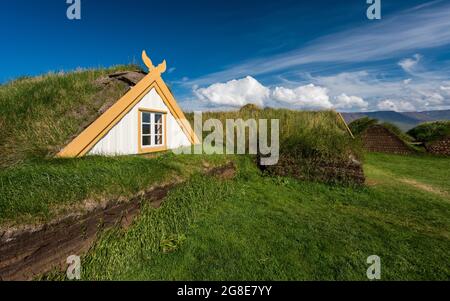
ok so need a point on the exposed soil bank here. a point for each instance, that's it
(348, 172)
(32, 251)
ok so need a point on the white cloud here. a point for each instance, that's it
(398, 106)
(306, 97)
(424, 93)
(235, 93)
(408, 64)
(344, 101)
(432, 98)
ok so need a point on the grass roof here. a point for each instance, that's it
(430, 131)
(307, 134)
(40, 115)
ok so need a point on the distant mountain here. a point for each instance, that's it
(404, 120)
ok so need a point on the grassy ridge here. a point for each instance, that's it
(39, 115)
(268, 228)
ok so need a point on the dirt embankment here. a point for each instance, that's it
(31, 251)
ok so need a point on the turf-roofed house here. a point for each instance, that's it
(382, 138)
(146, 119)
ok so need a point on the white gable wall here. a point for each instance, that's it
(122, 139)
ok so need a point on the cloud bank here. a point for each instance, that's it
(347, 91)
(248, 90)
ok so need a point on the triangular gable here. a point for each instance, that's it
(85, 141)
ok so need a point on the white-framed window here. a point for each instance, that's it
(152, 129)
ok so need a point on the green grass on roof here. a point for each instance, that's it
(430, 131)
(39, 115)
(308, 134)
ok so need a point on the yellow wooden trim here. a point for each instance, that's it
(152, 110)
(165, 129)
(85, 141)
(151, 149)
(346, 125)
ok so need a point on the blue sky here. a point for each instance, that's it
(223, 54)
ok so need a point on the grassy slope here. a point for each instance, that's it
(39, 191)
(276, 228)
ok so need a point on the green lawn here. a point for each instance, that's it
(41, 190)
(263, 228)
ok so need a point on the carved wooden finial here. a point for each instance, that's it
(148, 62)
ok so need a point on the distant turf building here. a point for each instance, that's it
(435, 136)
(146, 119)
(377, 138)
(381, 138)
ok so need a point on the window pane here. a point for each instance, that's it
(158, 139)
(158, 118)
(158, 129)
(146, 129)
(145, 140)
(145, 117)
